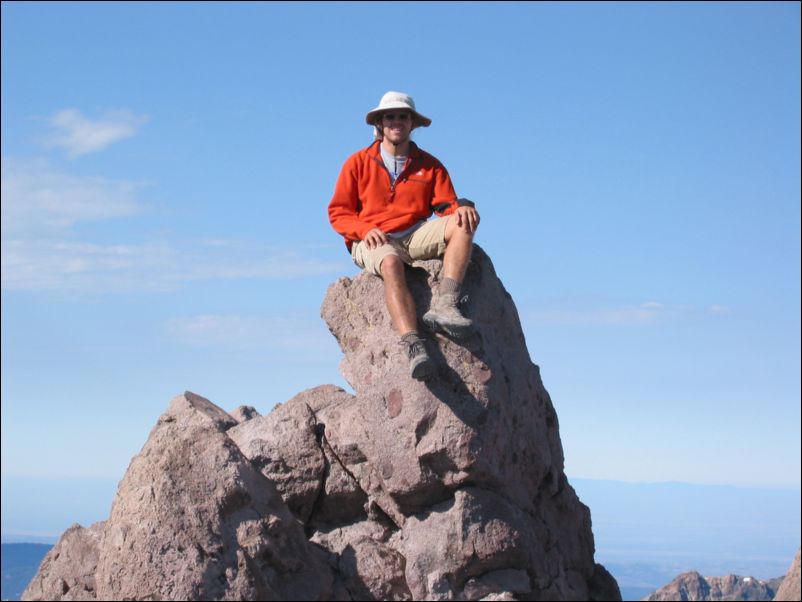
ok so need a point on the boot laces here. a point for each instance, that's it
(454, 299)
(416, 348)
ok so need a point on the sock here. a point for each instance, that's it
(411, 337)
(449, 286)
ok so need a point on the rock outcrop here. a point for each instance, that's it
(193, 519)
(692, 586)
(452, 489)
(790, 587)
(68, 570)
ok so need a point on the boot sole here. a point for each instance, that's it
(424, 370)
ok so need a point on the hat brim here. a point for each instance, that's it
(417, 118)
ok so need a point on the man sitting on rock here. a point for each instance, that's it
(383, 198)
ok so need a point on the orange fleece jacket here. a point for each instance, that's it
(364, 198)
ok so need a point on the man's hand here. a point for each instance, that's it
(467, 218)
(375, 238)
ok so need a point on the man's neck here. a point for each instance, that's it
(402, 148)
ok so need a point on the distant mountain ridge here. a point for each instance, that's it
(693, 586)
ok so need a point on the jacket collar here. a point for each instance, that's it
(375, 150)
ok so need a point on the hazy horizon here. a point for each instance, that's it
(645, 533)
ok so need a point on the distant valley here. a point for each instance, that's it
(20, 562)
(647, 534)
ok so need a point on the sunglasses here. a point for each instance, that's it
(399, 116)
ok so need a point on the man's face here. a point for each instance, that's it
(397, 125)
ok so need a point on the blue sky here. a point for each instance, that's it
(166, 169)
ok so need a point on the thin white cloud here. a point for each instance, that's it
(644, 313)
(39, 251)
(288, 331)
(67, 266)
(650, 312)
(79, 135)
(81, 267)
(721, 310)
(252, 261)
(38, 199)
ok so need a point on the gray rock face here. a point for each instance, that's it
(68, 570)
(444, 491)
(192, 520)
(244, 413)
(468, 468)
(692, 586)
(790, 587)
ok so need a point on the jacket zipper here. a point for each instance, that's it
(387, 171)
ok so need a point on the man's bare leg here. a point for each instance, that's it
(401, 307)
(443, 315)
(459, 244)
(397, 296)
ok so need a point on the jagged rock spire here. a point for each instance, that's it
(451, 489)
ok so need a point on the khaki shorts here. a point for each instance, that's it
(427, 242)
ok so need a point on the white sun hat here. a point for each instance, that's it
(397, 100)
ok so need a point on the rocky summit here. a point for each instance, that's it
(450, 489)
(693, 586)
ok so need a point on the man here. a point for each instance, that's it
(383, 198)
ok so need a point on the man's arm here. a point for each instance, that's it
(344, 206)
(445, 202)
(444, 198)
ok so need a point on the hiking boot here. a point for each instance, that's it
(443, 316)
(421, 366)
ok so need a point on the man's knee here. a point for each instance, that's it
(453, 231)
(460, 236)
(391, 267)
